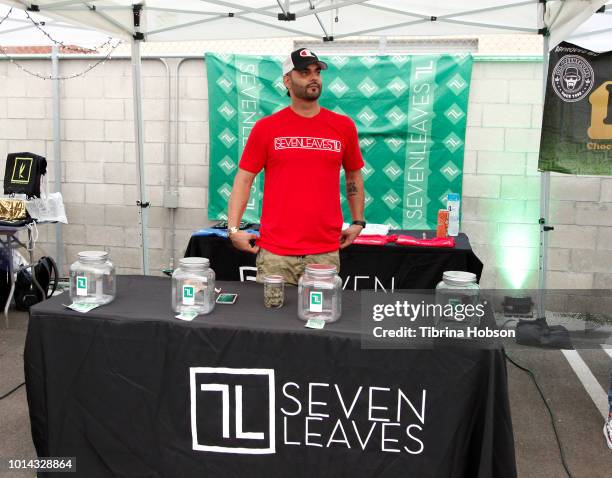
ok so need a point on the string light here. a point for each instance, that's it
(61, 44)
(107, 43)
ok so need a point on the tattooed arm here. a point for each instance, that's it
(355, 195)
(237, 205)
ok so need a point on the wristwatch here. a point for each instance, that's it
(359, 223)
(232, 230)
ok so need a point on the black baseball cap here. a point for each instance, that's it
(300, 59)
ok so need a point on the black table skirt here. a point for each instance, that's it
(120, 389)
(391, 267)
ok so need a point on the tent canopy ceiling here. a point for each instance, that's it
(161, 20)
(596, 33)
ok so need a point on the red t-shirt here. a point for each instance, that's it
(302, 157)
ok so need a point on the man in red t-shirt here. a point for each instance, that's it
(301, 148)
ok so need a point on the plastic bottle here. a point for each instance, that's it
(453, 204)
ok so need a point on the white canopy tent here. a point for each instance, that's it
(596, 32)
(329, 20)
(17, 30)
(160, 20)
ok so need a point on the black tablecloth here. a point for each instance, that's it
(130, 391)
(361, 267)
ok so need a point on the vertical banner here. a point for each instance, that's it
(410, 113)
(577, 123)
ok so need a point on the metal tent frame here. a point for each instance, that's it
(153, 20)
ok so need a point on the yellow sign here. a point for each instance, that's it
(600, 102)
(22, 170)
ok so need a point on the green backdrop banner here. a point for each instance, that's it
(410, 113)
(576, 128)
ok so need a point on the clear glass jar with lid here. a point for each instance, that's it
(274, 291)
(320, 293)
(458, 287)
(193, 286)
(92, 278)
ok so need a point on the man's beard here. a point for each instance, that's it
(306, 94)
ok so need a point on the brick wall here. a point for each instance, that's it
(501, 182)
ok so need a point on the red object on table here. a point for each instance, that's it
(433, 242)
(374, 240)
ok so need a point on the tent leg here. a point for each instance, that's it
(57, 153)
(139, 143)
(544, 209)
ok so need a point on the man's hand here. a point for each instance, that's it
(241, 240)
(349, 234)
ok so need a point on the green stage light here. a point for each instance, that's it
(518, 252)
(517, 263)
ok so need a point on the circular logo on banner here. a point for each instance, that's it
(572, 78)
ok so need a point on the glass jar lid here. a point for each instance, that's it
(194, 262)
(92, 256)
(459, 278)
(274, 279)
(321, 270)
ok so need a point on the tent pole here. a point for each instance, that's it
(57, 151)
(544, 207)
(139, 148)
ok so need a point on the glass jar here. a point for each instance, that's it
(274, 291)
(458, 287)
(320, 293)
(92, 278)
(193, 286)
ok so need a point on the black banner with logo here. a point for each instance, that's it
(246, 391)
(577, 123)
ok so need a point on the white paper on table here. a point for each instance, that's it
(371, 229)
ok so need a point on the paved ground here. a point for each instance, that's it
(578, 419)
(15, 437)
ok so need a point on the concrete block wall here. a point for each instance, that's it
(99, 175)
(500, 192)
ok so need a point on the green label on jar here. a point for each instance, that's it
(81, 286)
(188, 295)
(316, 302)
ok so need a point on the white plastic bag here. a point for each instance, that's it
(48, 207)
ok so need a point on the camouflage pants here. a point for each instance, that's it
(291, 267)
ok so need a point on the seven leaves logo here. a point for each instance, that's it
(220, 398)
(234, 410)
